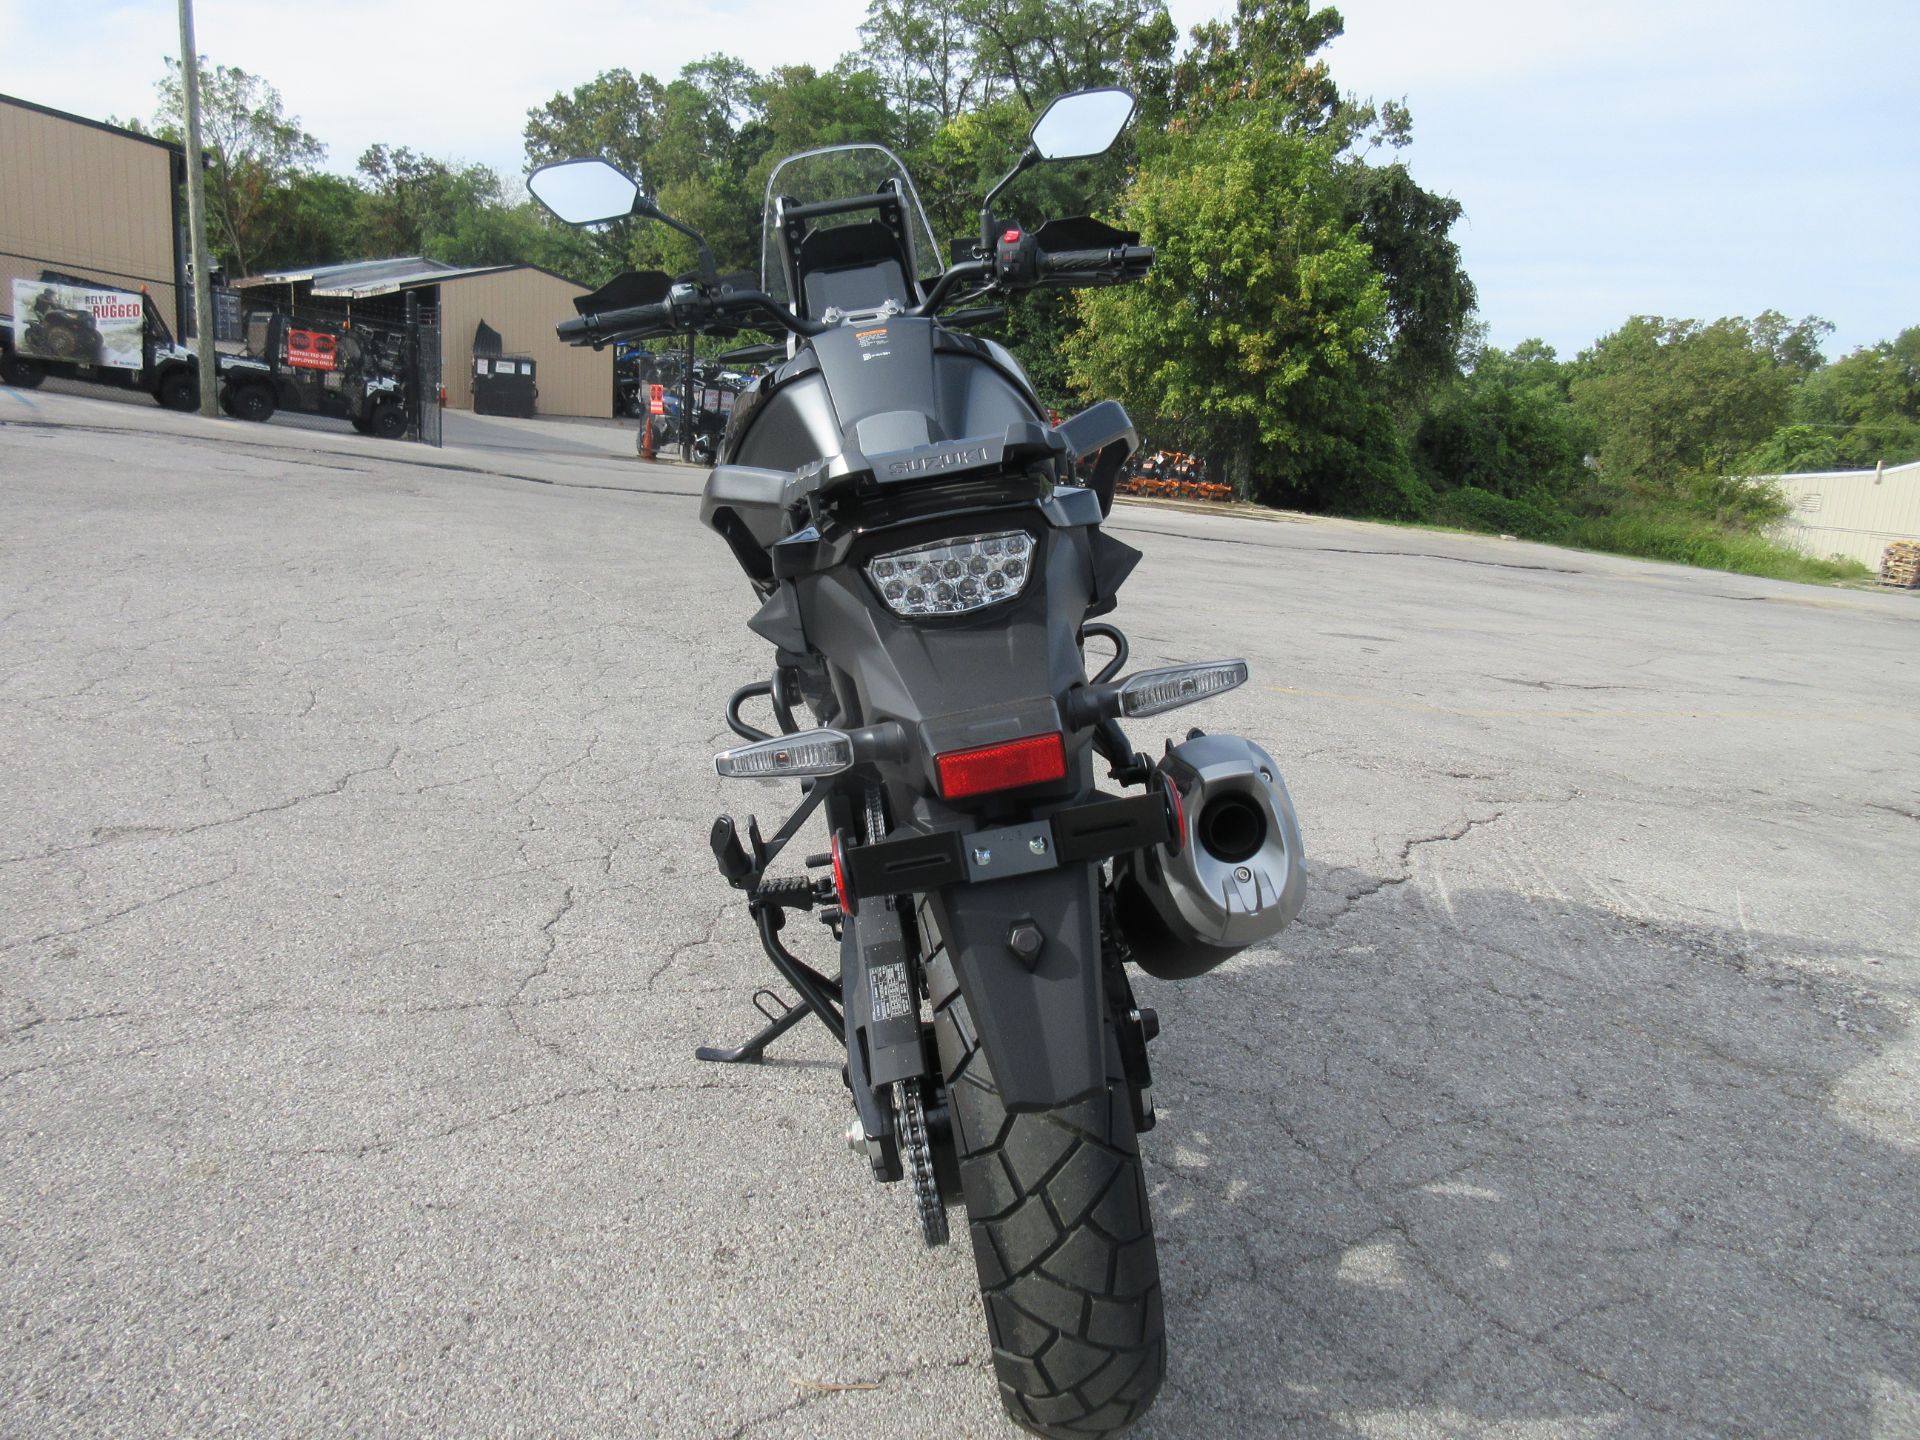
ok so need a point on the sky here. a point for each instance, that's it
(1687, 158)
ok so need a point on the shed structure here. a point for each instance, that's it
(521, 302)
(92, 200)
(1852, 513)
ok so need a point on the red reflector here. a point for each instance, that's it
(1012, 237)
(1179, 814)
(1001, 767)
(840, 877)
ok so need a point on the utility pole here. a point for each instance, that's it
(197, 219)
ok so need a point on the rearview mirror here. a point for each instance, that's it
(1083, 124)
(584, 192)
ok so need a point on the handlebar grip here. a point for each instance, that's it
(591, 329)
(1124, 259)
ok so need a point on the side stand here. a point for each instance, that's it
(768, 903)
(754, 1050)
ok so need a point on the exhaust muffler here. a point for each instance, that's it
(1235, 874)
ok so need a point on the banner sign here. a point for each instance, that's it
(79, 324)
(311, 349)
(656, 399)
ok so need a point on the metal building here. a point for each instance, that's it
(521, 302)
(1852, 513)
(92, 200)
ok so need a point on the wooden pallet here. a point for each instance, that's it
(1900, 565)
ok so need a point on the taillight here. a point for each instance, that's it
(1007, 766)
(953, 577)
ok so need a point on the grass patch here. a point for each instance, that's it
(1645, 533)
(1689, 541)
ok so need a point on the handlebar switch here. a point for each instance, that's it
(1017, 259)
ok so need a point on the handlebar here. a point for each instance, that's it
(596, 329)
(1125, 261)
(692, 308)
(688, 308)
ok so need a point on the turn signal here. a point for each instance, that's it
(808, 752)
(1008, 766)
(1152, 691)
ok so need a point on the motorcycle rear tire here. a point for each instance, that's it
(1062, 1237)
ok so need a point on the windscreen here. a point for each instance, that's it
(839, 172)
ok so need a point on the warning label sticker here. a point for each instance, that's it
(892, 996)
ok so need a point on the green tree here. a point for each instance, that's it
(616, 115)
(1252, 336)
(922, 53)
(1793, 344)
(1675, 404)
(1866, 404)
(1267, 51)
(1502, 447)
(413, 204)
(316, 215)
(1037, 49)
(1430, 300)
(256, 153)
(1796, 449)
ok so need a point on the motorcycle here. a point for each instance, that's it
(928, 560)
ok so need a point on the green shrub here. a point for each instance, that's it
(1531, 517)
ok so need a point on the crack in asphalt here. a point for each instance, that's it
(116, 834)
(124, 911)
(810, 1397)
(1352, 899)
(477, 1122)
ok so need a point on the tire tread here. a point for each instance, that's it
(1062, 1239)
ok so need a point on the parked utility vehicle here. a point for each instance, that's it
(317, 367)
(71, 327)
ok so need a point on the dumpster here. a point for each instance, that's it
(503, 385)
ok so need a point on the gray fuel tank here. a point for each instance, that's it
(888, 385)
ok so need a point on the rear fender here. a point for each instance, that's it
(1040, 1026)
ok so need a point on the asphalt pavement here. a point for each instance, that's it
(357, 926)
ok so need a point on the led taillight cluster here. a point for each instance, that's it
(954, 576)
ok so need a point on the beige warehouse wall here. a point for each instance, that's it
(1854, 513)
(84, 200)
(523, 305)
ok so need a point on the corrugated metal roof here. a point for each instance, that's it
(360, 279)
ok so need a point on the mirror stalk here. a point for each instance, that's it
(989, 227)
(647, 210)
